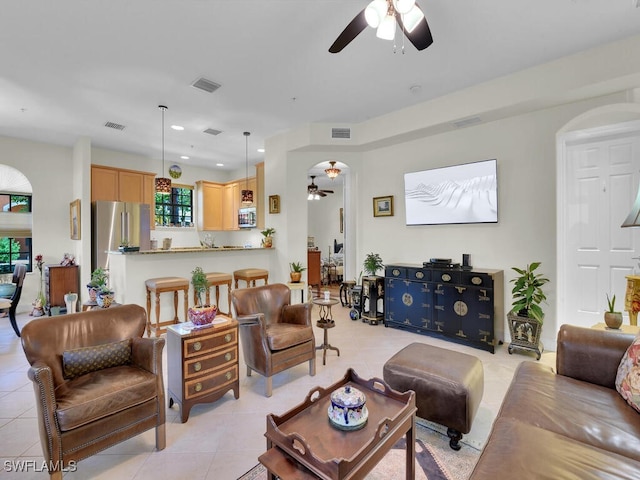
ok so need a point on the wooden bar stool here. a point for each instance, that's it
(162, 285)
(250, 275)
(216, 279)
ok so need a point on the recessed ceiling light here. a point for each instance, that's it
(184, 157)
(261, 150)
(219, 164)
(177, 127)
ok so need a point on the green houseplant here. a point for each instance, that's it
(526, 316)
(267, 233)
(612, 318)
(296, 271)
(372, 263)
(99, 280)
(200, 315)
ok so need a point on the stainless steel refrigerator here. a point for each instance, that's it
(118, 223)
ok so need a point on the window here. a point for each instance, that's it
(176, 209)
(15, 238)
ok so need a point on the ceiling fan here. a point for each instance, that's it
(314, 192)
(383, 15)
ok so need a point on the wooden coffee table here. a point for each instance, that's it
(303, 444)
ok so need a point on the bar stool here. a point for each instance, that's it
(216, 279)
(162, 285)
(250, 275)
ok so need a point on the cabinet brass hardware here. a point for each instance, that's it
(228, 375)
(227, 337)
(197, 346)
(197, 366)
(198, 387)
(227, 357)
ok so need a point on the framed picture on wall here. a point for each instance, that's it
(383, 206)
(274, 203)
(74, 219)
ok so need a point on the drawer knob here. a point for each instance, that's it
(227, 357)
(227, 337)
(228, 375)
(198, 387)
(197, 366)
(197, 346)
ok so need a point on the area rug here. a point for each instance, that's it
(435, 460)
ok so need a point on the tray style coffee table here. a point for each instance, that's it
(303, 444)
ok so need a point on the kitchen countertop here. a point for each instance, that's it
(188, 250)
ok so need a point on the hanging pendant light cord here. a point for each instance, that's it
(163, 108)
(246, 156)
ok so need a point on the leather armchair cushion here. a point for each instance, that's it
(628, 377)
(90, 359)
(99, 394)
(286, 335)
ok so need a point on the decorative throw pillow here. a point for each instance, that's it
(90, 359)
(628, 377)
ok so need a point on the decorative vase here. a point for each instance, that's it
(105, 299)
(202, 316)
(613, 319)
(295, 276)
(70, 299)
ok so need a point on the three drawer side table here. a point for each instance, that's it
(202, 363)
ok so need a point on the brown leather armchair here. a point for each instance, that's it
(97, 382)
(275, 336)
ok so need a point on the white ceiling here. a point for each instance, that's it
(69, 66)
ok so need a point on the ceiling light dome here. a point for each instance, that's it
(375, 12)
(403, 6)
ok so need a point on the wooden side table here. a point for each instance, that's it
(202, 363)
(624, 328)
(325, 323)
(297, 286)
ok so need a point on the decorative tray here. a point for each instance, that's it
(306, 434)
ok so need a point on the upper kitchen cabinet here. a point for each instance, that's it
(258, 198)
(230, 206)
(210, 205)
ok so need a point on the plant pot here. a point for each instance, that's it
(295, 277)
(613, 319)
(93, 293)
(202, 316)
(105, 299)
(525, 334)
(267, 242)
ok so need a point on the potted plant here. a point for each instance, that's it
(99, 279)
(296, 271)
(612, 318)
(372, 263)
(526, 316)
(201, 314)
(267, 233)
(104, 296)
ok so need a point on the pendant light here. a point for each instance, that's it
(332, 172)
(247, 195)
(163, 184)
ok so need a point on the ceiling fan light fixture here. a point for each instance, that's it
(374, 12)
(163, 184)
(403, 6)
(412, 18)
(387, 28)
(332, 172)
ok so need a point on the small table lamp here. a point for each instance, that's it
(632, 298)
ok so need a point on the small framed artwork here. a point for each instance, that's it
(274, 203)
(383, 206)
(74, 219)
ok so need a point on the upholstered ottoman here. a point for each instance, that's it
(448, 385)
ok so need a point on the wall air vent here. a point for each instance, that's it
(341, 133)
(213, 131)
(466, 122)
(206, 85)
(115, 126)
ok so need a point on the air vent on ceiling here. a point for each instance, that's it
(213, 131)
(115, 126)
(206, 85)
(467, 122)
(341, 133)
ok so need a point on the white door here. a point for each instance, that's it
(601, 184)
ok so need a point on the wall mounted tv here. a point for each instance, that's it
(466, 193)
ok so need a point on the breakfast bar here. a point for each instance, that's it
(129, 270)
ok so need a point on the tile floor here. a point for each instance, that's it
(223, 440)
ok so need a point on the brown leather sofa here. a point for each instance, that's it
(97, 382)
(274, 335)
(573, 424)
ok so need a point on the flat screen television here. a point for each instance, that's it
(466, 193)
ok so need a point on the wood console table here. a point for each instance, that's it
(303, 444)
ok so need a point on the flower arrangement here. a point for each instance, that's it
(40, 300)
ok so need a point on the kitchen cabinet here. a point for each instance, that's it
(210, 205)
(202, 364)
(230, 206)
(259, 198)
(464, 306)
(58, 281)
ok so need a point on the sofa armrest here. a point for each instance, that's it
(298, 314)
(147, 353)
(590, 355)
(42, 378)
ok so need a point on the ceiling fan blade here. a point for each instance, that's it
(420, 36)
(357, 25)
(321, 193)
(327, 191)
